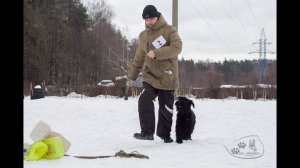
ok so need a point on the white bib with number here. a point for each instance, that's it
(159, 42)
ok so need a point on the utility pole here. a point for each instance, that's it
(262, 55)
(175, 14)
(175, 24)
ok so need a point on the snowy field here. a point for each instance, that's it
(103, 126)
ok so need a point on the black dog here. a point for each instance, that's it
(186, 119)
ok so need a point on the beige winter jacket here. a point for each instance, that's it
(162, 71)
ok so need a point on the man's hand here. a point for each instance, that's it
(151, 54)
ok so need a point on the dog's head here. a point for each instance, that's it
(183, 104)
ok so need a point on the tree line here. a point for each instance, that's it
(66, 43)
(69, 44)
(205, 74)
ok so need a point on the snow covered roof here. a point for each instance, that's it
(265, 86)
(248, 86)
(121, 77)
(38, 87)
(107, 83)
(235, 86)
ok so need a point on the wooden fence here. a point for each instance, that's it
(213, 93)
(222, 93)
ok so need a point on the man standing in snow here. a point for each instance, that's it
(157, 56)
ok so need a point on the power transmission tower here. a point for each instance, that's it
(262, 56)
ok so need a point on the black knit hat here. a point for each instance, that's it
(150, 11)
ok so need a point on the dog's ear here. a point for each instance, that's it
(192, 103)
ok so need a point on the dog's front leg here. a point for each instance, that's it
(178, 134)
(179, 141)
(179, 138)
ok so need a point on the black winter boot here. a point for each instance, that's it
(143, 136)
(167, 140)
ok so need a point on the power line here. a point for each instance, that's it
(237, 16)
(213, 20)
(217, 34)
(253, 15)
(229, 15)
(224, 33)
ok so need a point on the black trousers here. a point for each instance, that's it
(165, 111)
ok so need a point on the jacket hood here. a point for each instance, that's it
(160, 23)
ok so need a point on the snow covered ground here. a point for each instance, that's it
(103, 126)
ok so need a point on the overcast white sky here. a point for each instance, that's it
(210, 29)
